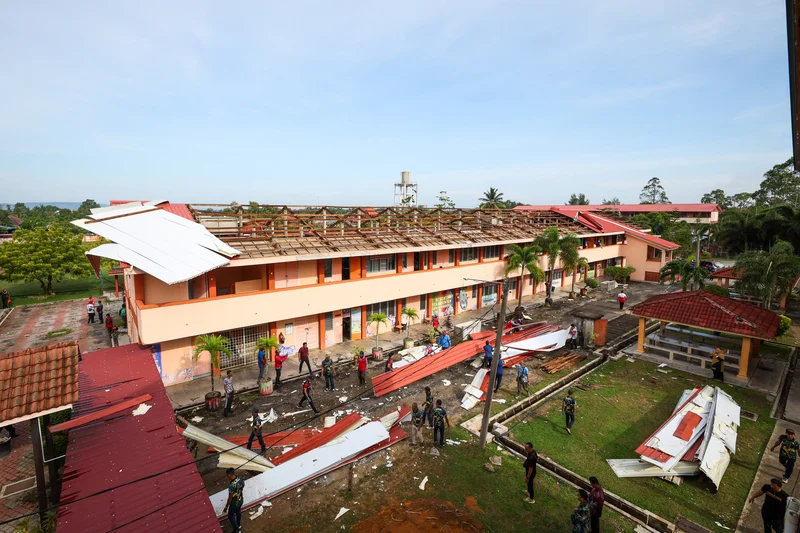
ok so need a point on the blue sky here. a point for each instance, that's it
(327, 102)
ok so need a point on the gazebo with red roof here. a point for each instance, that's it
(712, 312)
(725, 275)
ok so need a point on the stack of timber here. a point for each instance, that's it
(561, 362)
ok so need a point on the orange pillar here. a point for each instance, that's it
(116, 286)
(480, 254)
(212, 285)
(458, 257)
(399, 312)
(744, 360)
(273, 332)
(456, 299)
(398, 263)
(320, 271)
(363, 267)
(429, 305)
(642, 333)
(321, 319)
(430, 259)
(363, 321)
(480, 296)
(502, 251)
(270, 277)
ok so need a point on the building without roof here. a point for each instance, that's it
(315, 274)
(691, 213)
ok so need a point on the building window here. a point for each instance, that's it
(489, 294)
(512, 285)
(328, 321)
(435, 257)
(451, 256)
(381, 264)
(423, 303)
(474, 291)
(328, 268)
(653, 254)
(405, 261)
(382, 307)
(491, 252)
(469, 254)
(530, 280)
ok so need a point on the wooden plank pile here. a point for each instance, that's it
(561, 362)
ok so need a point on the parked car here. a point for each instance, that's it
(711, 266)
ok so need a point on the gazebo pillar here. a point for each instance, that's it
(745, 358)
(640, 345)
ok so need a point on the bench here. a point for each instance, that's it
(718, 339)
(684, 350)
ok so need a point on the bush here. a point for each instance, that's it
(592, 283)
(705, 255)
(785, 326)
(717, 289)
(620, 274)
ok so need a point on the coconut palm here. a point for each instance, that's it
(785, 224)
(492, 199)
(524, 258)
(214, 345)
(768, 275)
(571, 261)
(552, 243)
(377, 319)
(740, 230)
(412, 315)
(268, 344)
(684, 270)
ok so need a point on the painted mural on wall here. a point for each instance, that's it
(355, 321)
(463, 299)
(442, 303)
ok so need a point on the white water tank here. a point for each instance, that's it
(405, 178)
(792, 516)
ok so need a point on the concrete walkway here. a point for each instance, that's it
(193, 392)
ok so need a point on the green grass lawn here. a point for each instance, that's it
(73, 289)
(603, 431)
(453, 477)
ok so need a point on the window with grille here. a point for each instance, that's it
(242, 345)
(382, 264)
(469, 254)
(405, 261)
(474, 291)
(328, 268)
(435, 257)
(512, 285)
(423, 303)
(328, 321)
(382, 307)
(451, 256)
(491, 252)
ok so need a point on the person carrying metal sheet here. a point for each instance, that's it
(255, 432)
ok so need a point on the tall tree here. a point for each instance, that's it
(215, 345)
(653, 193)
(85, 208)
(768, 275)
(781, 185)
(685, 271)
(571, 260)
(784, 223)
(46, 255)
(613, 201)
(578, 199)
(492, 199)
(740, 230)
(444, 201)
(524, 258)
(552, 243)
(742, 200)
(717, 196)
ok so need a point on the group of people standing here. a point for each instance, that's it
(97, 310)
(434, 414)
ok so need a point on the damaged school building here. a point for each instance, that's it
(315, 274)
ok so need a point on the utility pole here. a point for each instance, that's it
(501, 322)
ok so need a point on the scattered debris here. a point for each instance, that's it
(197, 419)
(630, 360)
(341, 513)
(446, 382)
(662, 370)
(286, 415)
(489, 467)
(342, 399)
(424, 482)
(496, 460)
(498, 400)
(258, 512)
(434, 452)
(142, 409)
(561, 362)
(723, 527)
(271, 417)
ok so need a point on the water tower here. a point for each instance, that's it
(405, 192)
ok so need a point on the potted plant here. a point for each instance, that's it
(411, 315)
(214, 345)
(268, 344)
(377, 319)
(591, 283)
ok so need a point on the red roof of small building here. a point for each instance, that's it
(182, 210)
(38, 379)
(603, 224)
(711, 311)
(129, 473)
(15, 221)
(632, 208)
(726, 273)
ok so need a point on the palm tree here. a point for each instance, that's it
(571, 261)
(552, 243)
(683, 269)
(377, 319)
(268, 344)
(768, 275)
(525, 258)
(492, 199)
(214, 345)
(740, 230)
(785, 224)
(411, 314)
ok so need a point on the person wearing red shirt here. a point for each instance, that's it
(303, 353)
(362, 368)
(622, 298)
(279, 359)
(307, 395)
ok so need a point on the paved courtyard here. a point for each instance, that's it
(16, 465)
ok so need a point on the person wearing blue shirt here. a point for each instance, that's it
(444, 340)
(487, 355)
(262, 363)
(498, 376)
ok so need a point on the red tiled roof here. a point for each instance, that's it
(15, 221)
(631, 208)
(711, 311)
(726, 273)
(38, 379)
(603, 224)
(182, 210)
(122, 449)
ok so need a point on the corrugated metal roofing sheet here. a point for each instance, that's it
(156, 241)
(121, 450)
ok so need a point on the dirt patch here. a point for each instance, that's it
(421, 516)
(471, 504)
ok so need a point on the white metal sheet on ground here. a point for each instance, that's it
(305, 467)
(720, 436)
(542, 342)
(163, 244)
(666, 441)
(715, 460)
(636, 468)
(684, 397)
(473, 392)
(209, 439)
